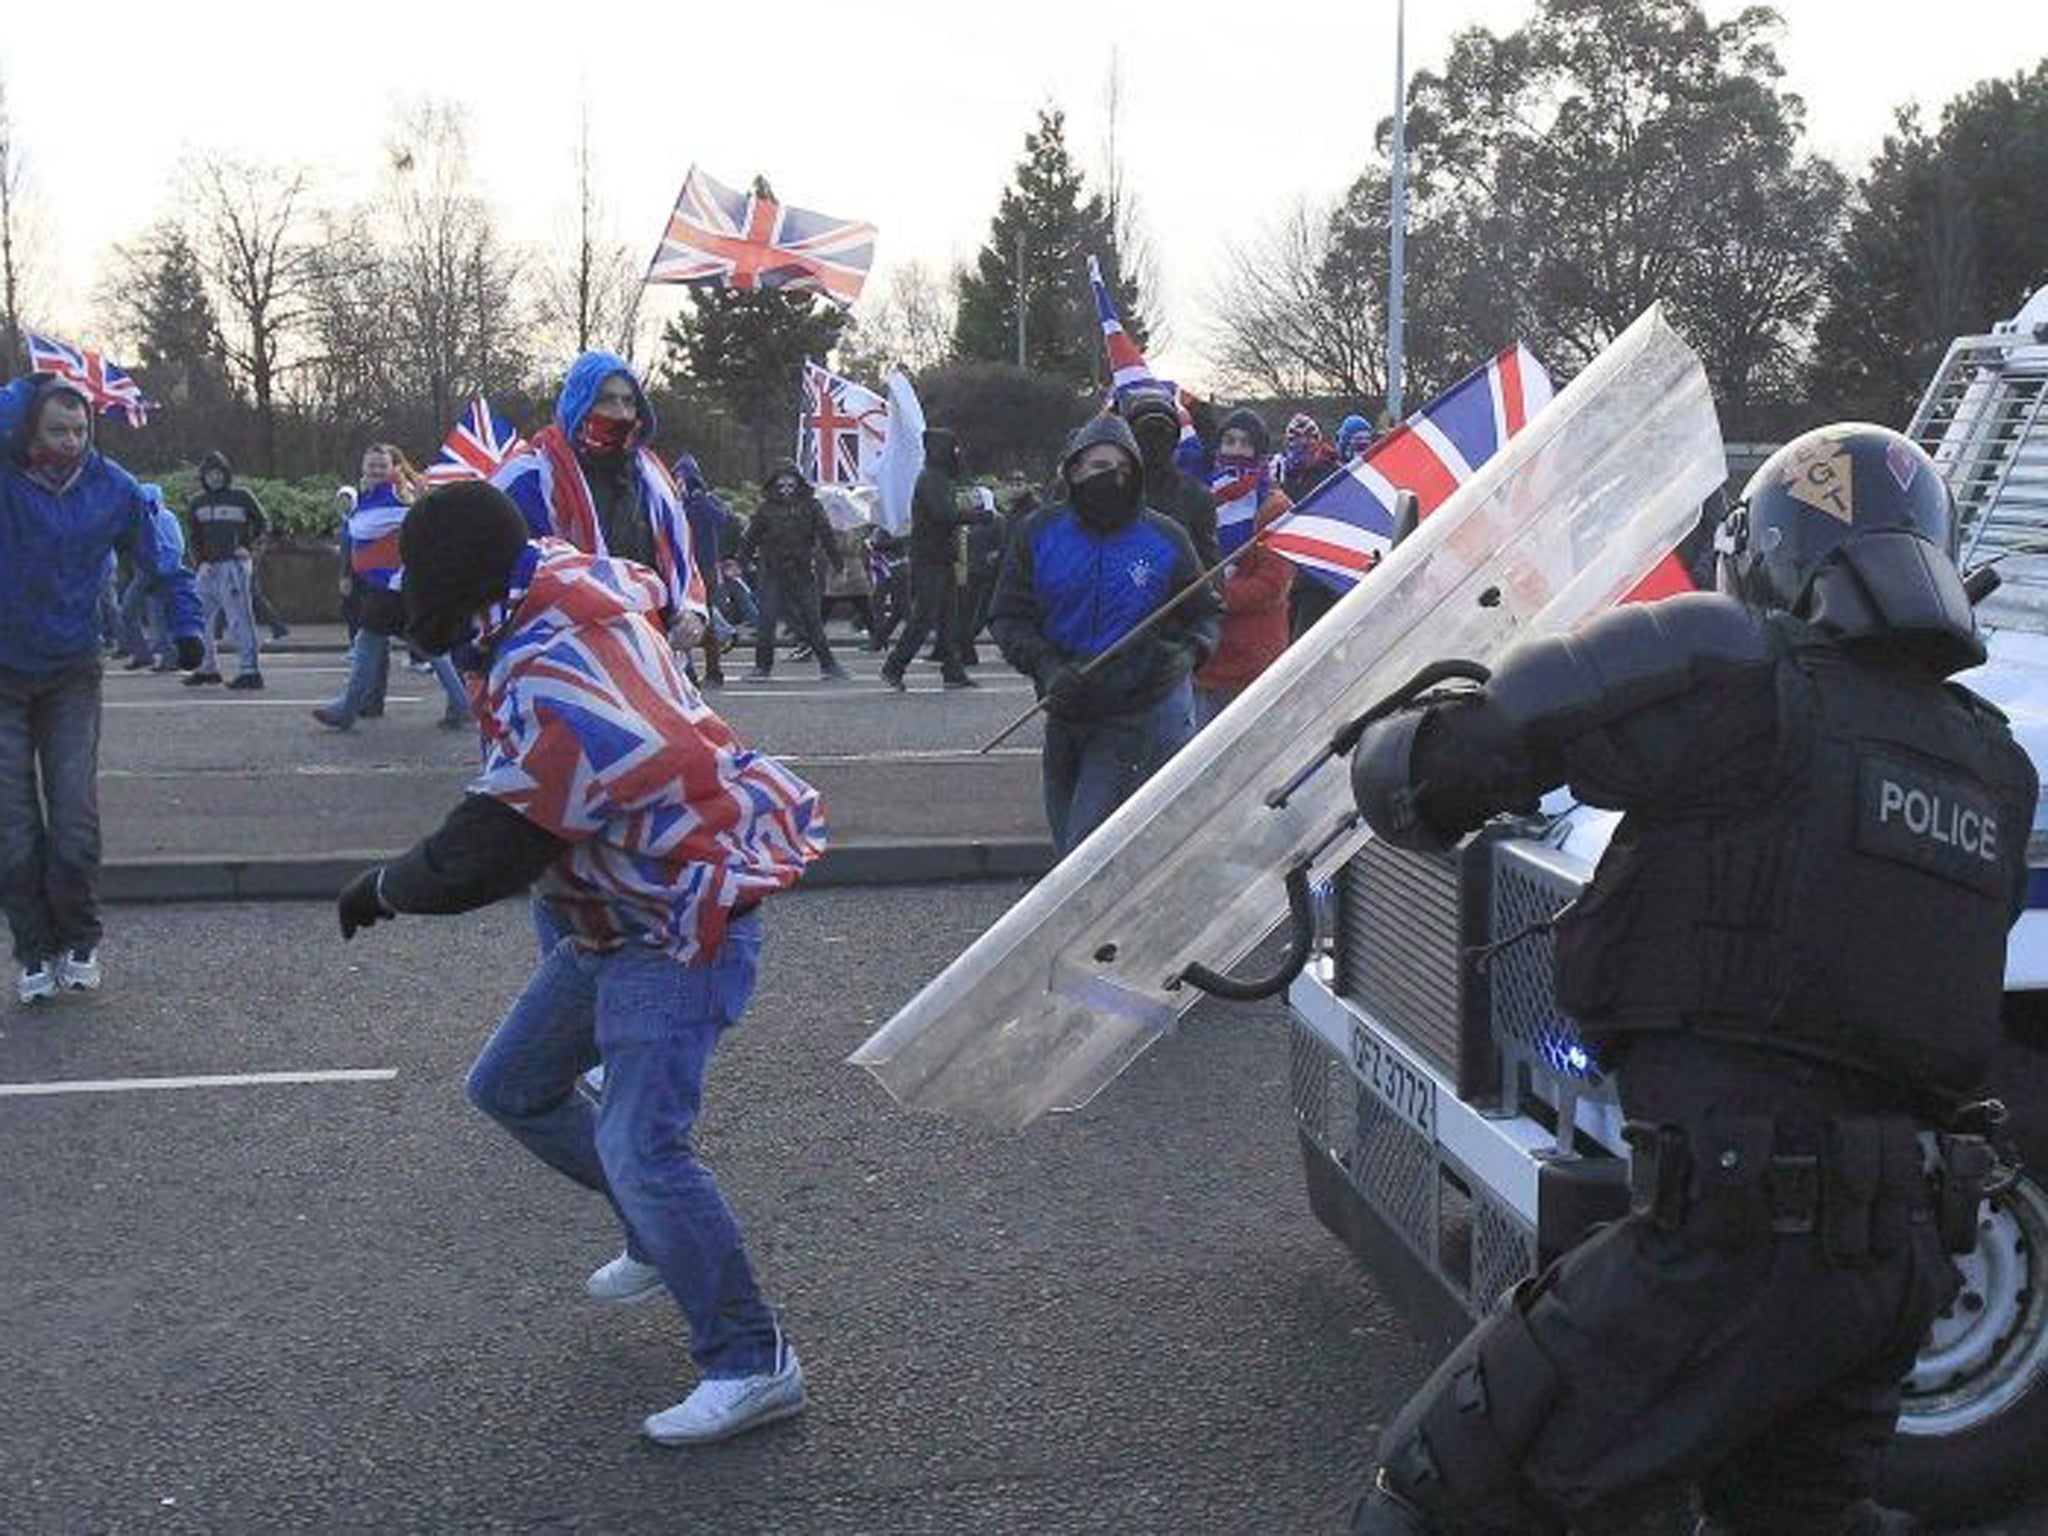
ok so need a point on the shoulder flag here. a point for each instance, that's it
(106, 385)
(1340, 530)
(476, 448)
(839, 435)
(720, 238)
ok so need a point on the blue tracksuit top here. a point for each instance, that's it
(1095, 589)
(54, 548)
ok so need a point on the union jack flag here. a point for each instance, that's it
(1341, 529)
(592, 732)
(106, 385)
(725, 239)
(1127, 367)
(840, 434)
(477, 446)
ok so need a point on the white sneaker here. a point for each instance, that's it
(37, 982)
(720, 1409)
(79, 970)
(623, 1281)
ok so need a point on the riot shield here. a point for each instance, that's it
(1082, 974)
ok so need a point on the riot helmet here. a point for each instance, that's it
(1827, 488)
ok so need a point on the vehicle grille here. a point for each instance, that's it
(1526, 895)
(1398, 946)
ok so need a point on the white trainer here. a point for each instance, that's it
(720, 1409)
(37, 982)
(79, 970)
(623, 1281)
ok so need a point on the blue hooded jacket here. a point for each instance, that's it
(710, 518)
(55, 546)
(1350, 427)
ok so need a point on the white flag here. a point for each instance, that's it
(902, 456)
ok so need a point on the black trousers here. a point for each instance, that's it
(793, 597)
(1714, 1353)
(932, 608)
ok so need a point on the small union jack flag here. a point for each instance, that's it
(725, 239)
(840, 435)
(106, 385)
(477, 447)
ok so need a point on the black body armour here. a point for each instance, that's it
(1857, 914)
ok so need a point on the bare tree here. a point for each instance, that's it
(1292, 318)
(907, 323)
(253, 245)
(454, 285)
(14, 237)
(589, 294)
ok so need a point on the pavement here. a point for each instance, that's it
(207, 794)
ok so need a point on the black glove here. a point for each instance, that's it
(361, 903)
(190, 653)
(1058, 677)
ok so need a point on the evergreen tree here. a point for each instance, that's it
(1059, 224)
(745, 350)
(160, 294)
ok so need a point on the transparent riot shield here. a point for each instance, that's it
(1082, 974)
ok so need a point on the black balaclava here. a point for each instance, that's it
(215, 473)
(458, 545)
(1108, 499)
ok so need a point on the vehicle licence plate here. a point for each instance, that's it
(1407, 1092)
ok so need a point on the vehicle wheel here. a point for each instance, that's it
(1973, 1429)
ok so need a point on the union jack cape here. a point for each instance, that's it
(841, 430)
(548, 485)
(591, 732)
(106, 385)
(720, 238)
(476, 448)
(372, 530)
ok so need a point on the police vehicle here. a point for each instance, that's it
(1456, 1133)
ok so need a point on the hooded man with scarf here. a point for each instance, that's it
(65, 508)
(1081, 575)
(1256, 581)
(226, 521)
(653, 835)
(785, 538)
(590, 477)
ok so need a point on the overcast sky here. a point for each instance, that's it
(908, 115)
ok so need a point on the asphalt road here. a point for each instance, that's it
(358, 1306)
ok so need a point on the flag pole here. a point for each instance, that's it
(1397, 261)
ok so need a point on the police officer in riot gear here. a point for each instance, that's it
(1792, 954)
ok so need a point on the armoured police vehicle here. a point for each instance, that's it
(1457, 1134)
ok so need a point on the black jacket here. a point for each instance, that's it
(784, 536)
(226, 522)
(935, 513)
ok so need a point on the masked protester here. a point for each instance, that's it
(1791, 957)
(1154, 417)
(65, 508)
(786, 538)
(227, 522)
(1256, 581)
(590, 477)
(1080, 576)
(711, 526)
(655, 863)
(936, 518)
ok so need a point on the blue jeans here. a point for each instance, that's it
(654, 1025)
(1093, 766)
(50, 808)
(369, 671)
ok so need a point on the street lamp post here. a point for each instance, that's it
(1397, 263)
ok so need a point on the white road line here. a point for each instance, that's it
(151, 1084)
(217, 702)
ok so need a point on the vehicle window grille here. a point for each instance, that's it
(1503, 1251)
(1398, 946)
(1396, 1172)
(1526, 1022)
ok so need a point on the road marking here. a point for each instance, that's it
(153, 1084)
(217, 702)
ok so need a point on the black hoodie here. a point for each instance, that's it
(226, 522)
(784, 531)
(935, 514)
